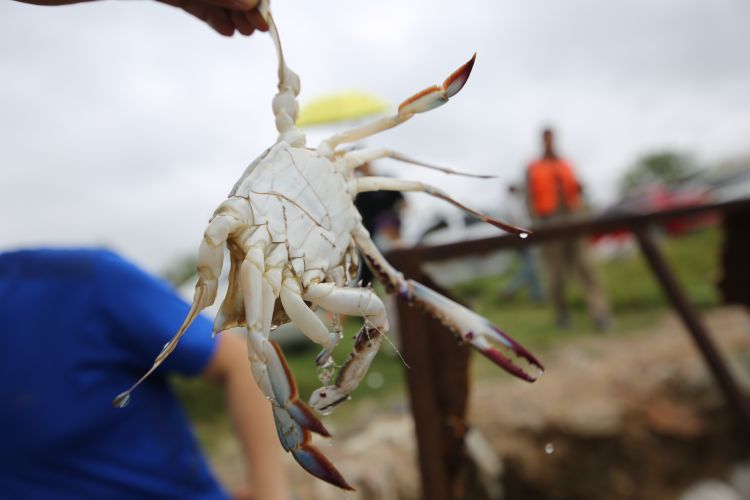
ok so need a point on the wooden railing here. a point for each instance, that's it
(437, 372)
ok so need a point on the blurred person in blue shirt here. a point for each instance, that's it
(78, 326)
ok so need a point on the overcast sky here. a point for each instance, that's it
(124, 123)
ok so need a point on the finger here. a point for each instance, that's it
(239, 5)
(257, 20)
(242, 23)
(220, 20)
(197, 9)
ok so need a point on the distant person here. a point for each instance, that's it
(76, 328)
(224, 16)
(554, 195)
(381, 216)
(526, 275)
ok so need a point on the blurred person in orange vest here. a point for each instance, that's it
(554, 194)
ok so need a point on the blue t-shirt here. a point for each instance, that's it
(77, 327)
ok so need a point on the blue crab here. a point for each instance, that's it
(293, 234)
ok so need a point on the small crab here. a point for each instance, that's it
(293, 235)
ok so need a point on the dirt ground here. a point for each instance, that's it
(636, 416)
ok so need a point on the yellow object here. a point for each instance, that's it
(340, 106)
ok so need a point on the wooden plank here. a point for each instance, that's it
(569, 229)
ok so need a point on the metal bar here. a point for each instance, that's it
(437, 377)
(693, 324)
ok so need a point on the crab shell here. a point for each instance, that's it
(301, 205)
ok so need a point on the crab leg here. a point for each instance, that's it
(306, 320)
(210, 261)
(294, 433)
(365, 184)
(285, 105)
(425, 100)
(467, 325)
(357, 158)
(294, 420)
(232, 310)
(350, 301)
(257, 295)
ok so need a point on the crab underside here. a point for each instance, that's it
(293, 235)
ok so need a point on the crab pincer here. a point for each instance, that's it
(295, 423)
(474, 330)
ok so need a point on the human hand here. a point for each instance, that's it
(224, 16)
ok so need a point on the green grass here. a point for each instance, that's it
(635, 297)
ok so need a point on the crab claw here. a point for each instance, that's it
(437, 95)
(472, 328)
(296, 439)
(295, 422)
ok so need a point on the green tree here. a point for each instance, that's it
(666, 168)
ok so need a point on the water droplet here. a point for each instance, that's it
(326, 371)
(524, 235)
(549, 449)
(375, 380)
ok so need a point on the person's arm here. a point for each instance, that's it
(252, 418)
(529, 195)
(224, 16)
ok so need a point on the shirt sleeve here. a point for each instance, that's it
(144, 314)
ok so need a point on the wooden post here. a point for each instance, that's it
(693, 324)
(438, 381)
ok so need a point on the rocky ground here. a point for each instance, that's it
(636, 417)
(615, 417)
